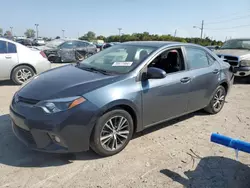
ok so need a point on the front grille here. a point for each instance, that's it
(28, 101)
(24, 134)
(234, 61)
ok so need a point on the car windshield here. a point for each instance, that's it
(118, 59)
(237, 44)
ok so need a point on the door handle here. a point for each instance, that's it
(185, 80)
(7, 57)
(216, 71)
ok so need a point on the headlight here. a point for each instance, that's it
(245, 63)
(58, 105)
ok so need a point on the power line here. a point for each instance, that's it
(231, 14)
(228, 20)
(238, 26)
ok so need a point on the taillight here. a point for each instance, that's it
(43, 54)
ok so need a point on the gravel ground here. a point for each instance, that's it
(174, 154)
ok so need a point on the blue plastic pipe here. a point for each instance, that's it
(230, 142)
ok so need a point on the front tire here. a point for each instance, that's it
(217, 102)
(21, 74)
(112, 132)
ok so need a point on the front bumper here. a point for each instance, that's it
(73, 127)
(243, 71)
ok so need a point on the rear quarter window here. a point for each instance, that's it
(11, 48)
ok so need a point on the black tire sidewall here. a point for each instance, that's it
(211, 102)
(95, 137)
(14, 73)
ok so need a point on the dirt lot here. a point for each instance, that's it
(174, 154)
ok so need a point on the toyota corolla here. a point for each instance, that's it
(102, 101)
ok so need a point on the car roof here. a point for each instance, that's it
(158, 44)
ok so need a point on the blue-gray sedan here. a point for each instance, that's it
(103, 100)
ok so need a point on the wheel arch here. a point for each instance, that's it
(128, 106)
(22, 64)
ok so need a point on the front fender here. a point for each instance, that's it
(124, 103)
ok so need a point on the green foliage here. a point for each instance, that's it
(88, 36)
(154, 37)
(29, 33)
(1, 31)
(145, 36)
(8, 35)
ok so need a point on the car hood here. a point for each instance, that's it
(232, 52)
(65, 81)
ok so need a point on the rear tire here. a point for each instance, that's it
(112, 132)
(248, 80)
(217, 101)
(21, 74)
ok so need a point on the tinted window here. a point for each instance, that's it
(81, 44)
(197, 58)
(11, 48)
(3, 47)
(68, 45)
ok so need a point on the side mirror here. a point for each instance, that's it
(155, 73)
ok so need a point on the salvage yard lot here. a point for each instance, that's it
(161, 156)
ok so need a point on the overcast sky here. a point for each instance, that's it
(222, 18)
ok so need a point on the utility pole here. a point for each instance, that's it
(36, 30)
(63, 33)
(11, 30)
(201, 28)
(175, 32)
(120, 34)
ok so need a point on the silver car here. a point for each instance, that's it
(19, 63)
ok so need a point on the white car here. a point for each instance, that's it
(19, 63)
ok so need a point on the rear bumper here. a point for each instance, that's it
(242, 71)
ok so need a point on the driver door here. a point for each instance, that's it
(165, 98)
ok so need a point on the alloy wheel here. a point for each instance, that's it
(114, 133)
(219, 99)
(23, 75)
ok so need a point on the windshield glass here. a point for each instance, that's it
(236, 44)
(118, 58)
(54, 43)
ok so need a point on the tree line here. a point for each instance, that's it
(145, 36)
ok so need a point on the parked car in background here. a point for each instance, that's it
(212, 48)
(107, 45)
(38, 42)
(19, 63)
(237, 53)
(50, 45)
(103, 100)
(25, 42)
(71, 51)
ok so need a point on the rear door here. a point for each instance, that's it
(67, 51)
(8, 58)
(205, 75)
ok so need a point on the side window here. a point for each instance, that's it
(170, 61)
(3, 47)
(68, 45)
(211, 59)
(197, 58)
(82, 44)
(11, 48)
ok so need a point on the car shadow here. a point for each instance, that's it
(7, 83)
(240, 80)
(15, 153)
(169, 123)
(214, 171)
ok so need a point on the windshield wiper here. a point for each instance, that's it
(92, 69)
